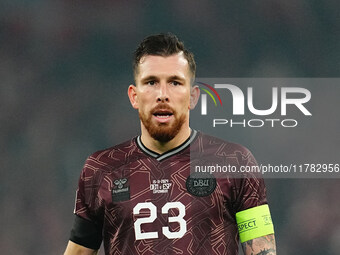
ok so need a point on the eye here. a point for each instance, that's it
(175, 83)
(151, 83)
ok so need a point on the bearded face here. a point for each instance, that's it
(163, 95)
(162, 131)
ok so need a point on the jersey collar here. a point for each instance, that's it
(169, 153)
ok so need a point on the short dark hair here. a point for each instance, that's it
(162, 45)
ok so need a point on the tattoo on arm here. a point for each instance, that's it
(264, 245)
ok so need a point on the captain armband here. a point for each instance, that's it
(254, 222)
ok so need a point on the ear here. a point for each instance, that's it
(194, 95)
(132, 93)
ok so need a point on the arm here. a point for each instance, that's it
(86, 234)
(264, 245)
(253, 217)
(76, 249)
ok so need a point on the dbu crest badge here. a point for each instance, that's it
(201, 184)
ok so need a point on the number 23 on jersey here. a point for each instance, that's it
(153, 216)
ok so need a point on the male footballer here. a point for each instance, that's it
(140, 197)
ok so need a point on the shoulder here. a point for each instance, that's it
(222, 148)
(113, 157)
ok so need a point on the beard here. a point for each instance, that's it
(162, 132)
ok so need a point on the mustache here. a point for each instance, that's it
(163, 108)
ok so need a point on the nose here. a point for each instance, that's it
(163, 95)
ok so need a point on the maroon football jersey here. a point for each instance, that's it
(149, 203)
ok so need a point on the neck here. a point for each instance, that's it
(161, 147)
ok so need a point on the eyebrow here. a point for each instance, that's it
(176, 77)
(153, 77)
(148, 78)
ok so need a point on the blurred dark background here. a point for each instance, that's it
(65, 67)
